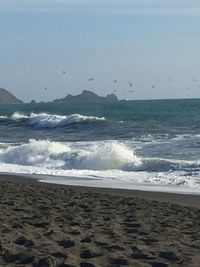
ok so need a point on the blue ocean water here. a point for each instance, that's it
(153, 143)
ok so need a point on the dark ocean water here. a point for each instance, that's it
(154, 143)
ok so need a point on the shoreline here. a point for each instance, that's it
(171, 197)
(54, 225)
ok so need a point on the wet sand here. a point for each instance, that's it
(55, 225)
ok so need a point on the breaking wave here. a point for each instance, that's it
(45, 120)
(2, 118)
(97, 155)
(53, 155)
(104, 160)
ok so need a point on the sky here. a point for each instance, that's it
(154, 44)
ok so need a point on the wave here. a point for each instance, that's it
(96, 155)
(92, 156)
(107, 160)
(45, 120)
(2, 118)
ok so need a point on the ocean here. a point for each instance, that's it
(151, 145)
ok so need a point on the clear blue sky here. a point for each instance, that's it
(147, 42)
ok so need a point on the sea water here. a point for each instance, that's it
(151, 145)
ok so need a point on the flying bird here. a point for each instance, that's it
(91, 79)
(153, 86)
(131, 91)
(115, 81)
(64, 72)
(131, 85)
(45, 88)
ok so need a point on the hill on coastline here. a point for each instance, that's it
(87, 96)
(7, 98)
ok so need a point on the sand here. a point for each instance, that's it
(54, 225)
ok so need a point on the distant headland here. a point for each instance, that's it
(85, 97)
(7, 98)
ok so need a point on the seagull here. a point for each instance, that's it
(91, 79)
(131, 85)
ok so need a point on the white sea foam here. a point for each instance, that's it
(45, 120)
(18, 116)
(93, 156)
(98, 160)
(3, 117)
(158, 181)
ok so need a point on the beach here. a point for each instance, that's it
(99, 133)
(58, 225)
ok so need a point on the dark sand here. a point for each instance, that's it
(53, 225)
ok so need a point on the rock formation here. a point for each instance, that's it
(87, 96)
